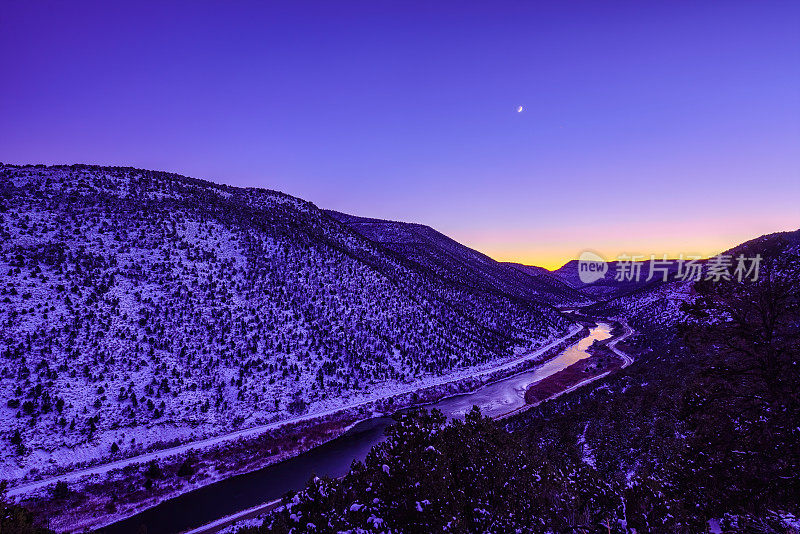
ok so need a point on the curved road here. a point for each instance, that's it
(256, 430)
(244, 496)
(626, 361)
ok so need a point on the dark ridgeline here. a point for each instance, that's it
(435, 252)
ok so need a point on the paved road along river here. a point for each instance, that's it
(238, 493)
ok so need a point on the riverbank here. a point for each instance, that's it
(605, 358)
(600, 350)
(594, 366)
(603, 361)
(109, 493)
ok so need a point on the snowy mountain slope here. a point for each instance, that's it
(460, 264)
(702, 426)
(139, 307)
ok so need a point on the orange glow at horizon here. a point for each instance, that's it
(553, 253)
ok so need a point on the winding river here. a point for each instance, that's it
(334, 458)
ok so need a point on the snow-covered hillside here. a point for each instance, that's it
(657, 305)
(139, 307)
(434, 251)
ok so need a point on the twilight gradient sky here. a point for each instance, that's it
(652, 127)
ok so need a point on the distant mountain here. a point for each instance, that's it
(551, 283)
(608, 286)
(140, 306)
(437, 253)
(656, 306)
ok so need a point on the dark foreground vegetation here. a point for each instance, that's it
(704, 426)
(16, 519)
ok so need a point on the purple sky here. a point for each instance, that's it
(653, 127)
